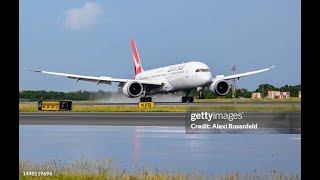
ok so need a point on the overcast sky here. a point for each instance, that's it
(93, 38)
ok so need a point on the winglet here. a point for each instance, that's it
(33, 70)
(272, 67)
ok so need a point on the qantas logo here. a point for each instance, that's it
(137, 64)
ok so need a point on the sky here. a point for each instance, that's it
(93, 38)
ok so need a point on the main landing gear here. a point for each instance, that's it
(187, 98)
(146, 99)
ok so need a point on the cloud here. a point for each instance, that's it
(83, 17)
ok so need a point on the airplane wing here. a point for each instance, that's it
(97, 79)
(222, 77)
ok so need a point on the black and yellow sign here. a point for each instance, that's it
(54, 105)
(146, 104)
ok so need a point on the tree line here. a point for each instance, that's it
(80, 95)
(54, 95)
(263, 89)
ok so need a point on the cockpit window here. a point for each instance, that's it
(203, 70)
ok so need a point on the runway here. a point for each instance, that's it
(107, 119)
(189, 104)
(265, 120)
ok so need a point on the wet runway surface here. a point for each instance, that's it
(162, 148)
(136, 118)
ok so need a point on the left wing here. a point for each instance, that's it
(97, 79)
(222, 77)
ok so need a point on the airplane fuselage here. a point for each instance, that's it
(178, 77)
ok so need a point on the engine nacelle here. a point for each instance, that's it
(132, 89)
(219, 87)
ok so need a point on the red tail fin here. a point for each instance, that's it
(137, 64)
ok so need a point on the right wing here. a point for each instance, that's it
(97, 79)
(222, 77)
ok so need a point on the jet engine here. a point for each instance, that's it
(132, 89)
(219, 87)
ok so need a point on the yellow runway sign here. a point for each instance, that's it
(54, 105)
(146, 104)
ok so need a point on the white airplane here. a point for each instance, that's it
(169, 79)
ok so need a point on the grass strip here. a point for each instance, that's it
(104, 170)
(182, 108)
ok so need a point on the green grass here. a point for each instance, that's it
(222, 108)
(293, 99)
(104, 170)
(28, 107)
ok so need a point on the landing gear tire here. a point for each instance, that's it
(184, 99)
(187, 99)
(146, 99)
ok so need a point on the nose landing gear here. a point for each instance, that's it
(200, 94)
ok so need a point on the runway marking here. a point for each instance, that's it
(130, 116)
(90, 116)
(111, 115)
(272, 116)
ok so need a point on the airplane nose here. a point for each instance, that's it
(207, 78)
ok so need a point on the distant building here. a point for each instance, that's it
(285, 95)
(278, 94)
(299, 94)
(256, 95)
